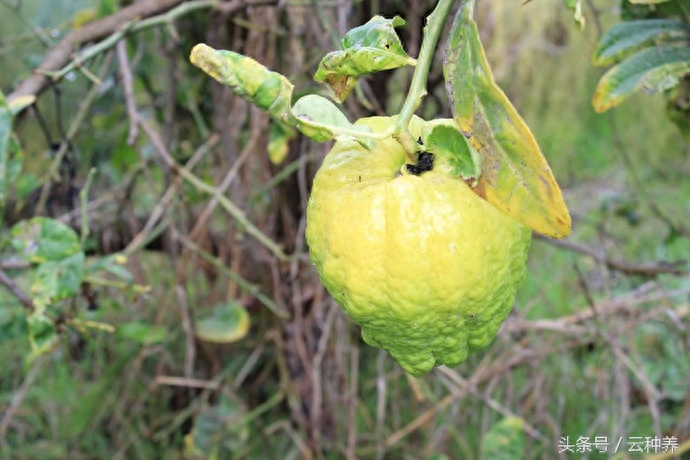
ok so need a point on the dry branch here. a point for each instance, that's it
(62, 53)
(59, 55)
(645, 268)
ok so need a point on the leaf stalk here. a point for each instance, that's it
(432, 32)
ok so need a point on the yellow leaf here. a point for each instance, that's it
(515, 176)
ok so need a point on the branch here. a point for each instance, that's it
(61, 54)
(645, 269)
(18, 293)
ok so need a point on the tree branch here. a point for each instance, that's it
(645, 269)
(62, 53)
(59, 55)
(18, 293)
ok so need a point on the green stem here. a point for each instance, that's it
(84, 205)
(432, 32)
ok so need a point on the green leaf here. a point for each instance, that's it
(229, 322)
(25, 184)
(515, 176)
(42, 333)
(651, 70)
(279, 141)
(5, 130)
(56, 280)
(505, 440)
(13, 323)
(10, 167)
(320, 119)
(41, 239)
(114, 264)
(270, 91)
(576, 7)
(446, 141)
(366, 49)
(626, 38)
(216, 432)
(144, 333)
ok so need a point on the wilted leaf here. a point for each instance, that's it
(320, 119)
(270, 91)
(505, 440)
(144, 333)
(651, 70)
(366, 49)
(42, 333)
(624, 39)
(279, 141)
(514, 174)
(229, 322)
(41, 239)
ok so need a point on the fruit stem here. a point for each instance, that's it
(432, 32)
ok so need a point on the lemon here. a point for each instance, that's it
(427, 268)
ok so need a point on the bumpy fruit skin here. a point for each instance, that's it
(426, 267)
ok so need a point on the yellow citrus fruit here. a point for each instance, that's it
(427, 268)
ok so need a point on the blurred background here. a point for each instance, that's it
(197, 328)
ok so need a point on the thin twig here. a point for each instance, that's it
(16, 291)
(202, 219)
(84, 206)
(465, 385)
(244, 285)
(65, 145)
(646, 269)
(163, 203)
(128, 84)
(61, 54)
(225, 203)
(188, 328)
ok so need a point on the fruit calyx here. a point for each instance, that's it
(425, 162)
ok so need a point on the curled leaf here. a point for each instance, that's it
(366, 49)
(320, 119)
(269, 91)
(515, 176)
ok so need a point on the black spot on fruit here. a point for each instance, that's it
(425, 162)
